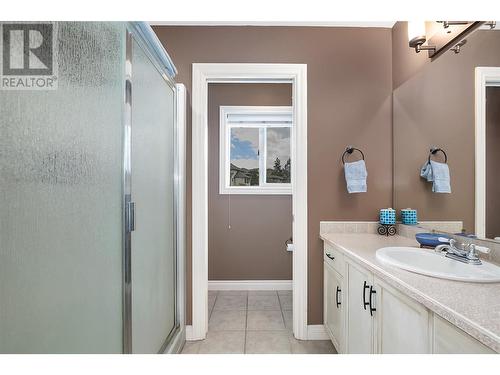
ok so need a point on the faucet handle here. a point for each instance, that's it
(472, 253)
(482, 249)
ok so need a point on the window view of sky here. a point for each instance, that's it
(278, 146)
(245, 147)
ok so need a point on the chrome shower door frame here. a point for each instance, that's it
(179, 165)
(127, 190)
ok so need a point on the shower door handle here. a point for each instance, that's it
(130, 217)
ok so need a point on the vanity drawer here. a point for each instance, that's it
(334, 258)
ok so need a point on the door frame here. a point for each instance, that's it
(202, 75)
(485, 76)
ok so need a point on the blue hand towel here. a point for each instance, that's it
(426, 172)
(355, 176)
(438, 174)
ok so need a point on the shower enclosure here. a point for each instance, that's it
(91, 196)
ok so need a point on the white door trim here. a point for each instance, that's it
(485, 76)
(203, 74)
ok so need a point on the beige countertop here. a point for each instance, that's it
(473, 307)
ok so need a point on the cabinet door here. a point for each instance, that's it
(402, 325)
(449, 339)
(359, 320)
(333, 314)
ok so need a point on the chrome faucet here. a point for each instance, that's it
(465, 252)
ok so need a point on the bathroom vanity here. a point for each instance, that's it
(370, 307)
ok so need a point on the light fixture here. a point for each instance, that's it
(451, 37)
(417, 37)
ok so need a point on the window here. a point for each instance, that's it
(255, 150)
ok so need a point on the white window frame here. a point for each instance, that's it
(225, 147)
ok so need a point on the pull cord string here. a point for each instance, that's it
(229, 211)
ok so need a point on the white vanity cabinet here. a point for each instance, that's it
(402, 324)
(448, 339)
(363, 314)
(359, 318)
(380, 319)
(333, 295)
(333, 307)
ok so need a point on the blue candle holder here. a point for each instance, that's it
(387, 220)
(387, 216)
(409, 216)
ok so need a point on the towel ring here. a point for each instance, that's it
(349, 150)
(435, 150)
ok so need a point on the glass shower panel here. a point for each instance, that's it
(61, 201)
(153, 240)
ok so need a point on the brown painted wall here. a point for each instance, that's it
(433, 104)
(253, 249)
(492, 162)
(349, 102)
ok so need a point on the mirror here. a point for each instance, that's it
(492, 183)
(453, 103)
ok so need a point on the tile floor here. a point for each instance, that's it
(253, 322)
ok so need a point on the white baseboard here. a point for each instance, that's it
(250, 285)
(317, 332)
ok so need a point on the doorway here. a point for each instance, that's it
(203, 74)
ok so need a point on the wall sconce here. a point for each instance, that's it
(417, 37)
(449, 35)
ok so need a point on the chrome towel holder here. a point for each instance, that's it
(349, 150)
(434, 151)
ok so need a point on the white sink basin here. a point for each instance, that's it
(433, 264)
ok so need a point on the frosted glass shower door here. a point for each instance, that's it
(153, 239)
(61, 200)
